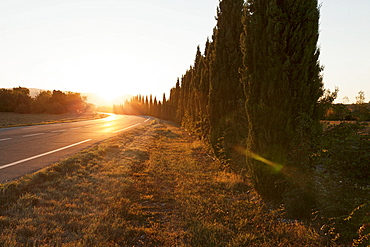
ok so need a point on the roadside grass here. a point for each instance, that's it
(152, 186)
(10, 119)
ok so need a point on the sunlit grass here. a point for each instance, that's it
(152, 186)
(9, 119)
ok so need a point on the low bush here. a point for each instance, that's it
(343, 183)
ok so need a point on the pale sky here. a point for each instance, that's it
(345, 47)
(134, 47)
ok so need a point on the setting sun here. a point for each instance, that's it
(109, 94)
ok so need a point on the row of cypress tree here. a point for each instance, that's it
(253, 94)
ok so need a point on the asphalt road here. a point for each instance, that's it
(24, 150)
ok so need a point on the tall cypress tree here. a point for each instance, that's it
(282, 85)
(205, 76)
(164, 109)
(225, 90)
(174, 101)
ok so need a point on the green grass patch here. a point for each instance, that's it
(10, 119)
(152, 186)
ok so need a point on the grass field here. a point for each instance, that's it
(10, 119)
(152, 186)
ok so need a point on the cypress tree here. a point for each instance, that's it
(225, 90)
(146, 105)
(198, 68)
(174, 101)
(282, 86)
(181, 102)
(204, 85)
(164, 109)
(149, 105)
(155, 107)
(186, 99)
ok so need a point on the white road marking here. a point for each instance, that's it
(34, 135)
(58, 131)
(29, 128)
(76, 128)
(90, 125)
(40, 155)
(5, 139)
(127, 128)
(147, 120)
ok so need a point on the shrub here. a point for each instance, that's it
(346, 153)
(343, 182)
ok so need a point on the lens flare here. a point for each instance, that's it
(278, 167)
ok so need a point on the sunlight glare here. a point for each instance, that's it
(111, 117)
(109, 94)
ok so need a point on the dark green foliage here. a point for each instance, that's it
(15, 100)
(57, 102)
(5, 102)
(282, 84)
(343, 183)
(346, 152)
(21, 99)
(41, 102)
(225, 90)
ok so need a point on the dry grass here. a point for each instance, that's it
(153, 186)
(9, 119)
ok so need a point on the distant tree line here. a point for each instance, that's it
(19, 100)
(140, 105)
